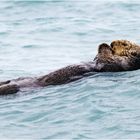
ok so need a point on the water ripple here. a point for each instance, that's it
(37, 37)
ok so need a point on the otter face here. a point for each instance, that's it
(121, 47)
(125, 48)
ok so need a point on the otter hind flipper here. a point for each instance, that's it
(8, 89)
(5, 82)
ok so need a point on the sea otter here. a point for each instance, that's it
(120, 55)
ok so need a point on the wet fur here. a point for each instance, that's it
(120, 55)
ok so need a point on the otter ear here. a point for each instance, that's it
(103, 47)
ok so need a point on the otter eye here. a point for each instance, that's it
(124, 44)
(134, 53)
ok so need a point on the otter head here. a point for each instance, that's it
(121, 55)
(124, 48)
(128, 50)
(104, 49)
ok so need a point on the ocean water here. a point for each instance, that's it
(37, 37)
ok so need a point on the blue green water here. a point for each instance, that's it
(39, 37)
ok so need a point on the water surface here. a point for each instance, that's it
(39, 37)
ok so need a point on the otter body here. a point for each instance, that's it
(121, 55)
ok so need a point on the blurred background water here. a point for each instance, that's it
(37, 37)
